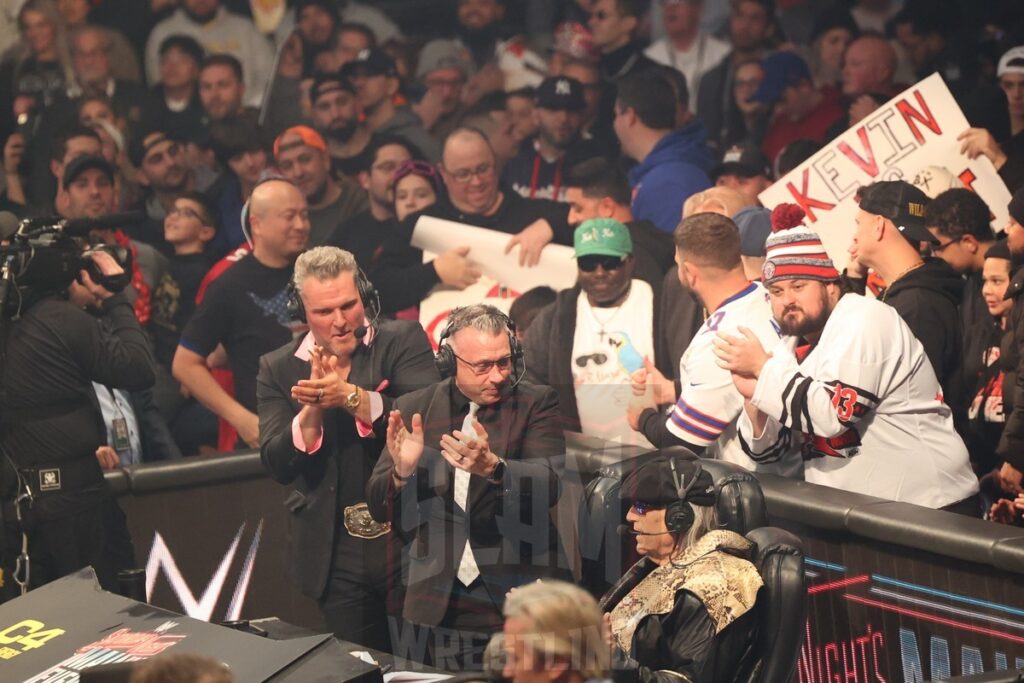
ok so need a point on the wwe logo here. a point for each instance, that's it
(160, 557)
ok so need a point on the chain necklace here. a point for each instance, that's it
(603, 323)
(895, 279)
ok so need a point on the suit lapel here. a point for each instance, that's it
(437, 420)
(499, 435)
(362, 369)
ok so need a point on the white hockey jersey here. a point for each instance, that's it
(709, 403)
(865, 410)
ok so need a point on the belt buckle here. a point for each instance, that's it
(49, 479)
(360, 524)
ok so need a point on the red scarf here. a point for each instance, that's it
(142, 300)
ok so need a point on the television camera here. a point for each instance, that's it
(42, 256)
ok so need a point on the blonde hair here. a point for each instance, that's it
(723, 200)
(705, 519)
(48, 8)
(323, 263)
(182, 666)
(563, 622)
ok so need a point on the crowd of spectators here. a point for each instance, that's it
(247, 133)
(616, 109)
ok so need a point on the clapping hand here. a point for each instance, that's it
(743, 357)
(405, 447)
(469, 452)
(325, 387)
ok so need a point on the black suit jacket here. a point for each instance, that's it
(508, 524)
(335, 476)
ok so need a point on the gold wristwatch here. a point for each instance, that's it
(353, 400)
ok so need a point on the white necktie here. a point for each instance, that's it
(468, 570)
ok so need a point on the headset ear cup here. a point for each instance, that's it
(368, 295)
(294, 306)
(515, 350)
(444, 360)
(679, 517)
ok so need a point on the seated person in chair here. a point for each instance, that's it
(685, 610)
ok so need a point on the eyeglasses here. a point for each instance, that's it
(184, 212)
(598, 358)
(485, 366)
(588, 264)
(643, 508)
(938, 249)
(463, 175)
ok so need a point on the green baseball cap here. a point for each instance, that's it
(602, 237)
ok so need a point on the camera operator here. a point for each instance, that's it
(52, 430)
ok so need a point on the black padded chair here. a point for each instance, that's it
(778, 554)
(781, 603)
(605, 556)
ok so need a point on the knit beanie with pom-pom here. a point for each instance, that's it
(795, 251)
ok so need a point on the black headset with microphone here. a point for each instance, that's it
(367, 294)
(679, 515)
(446, 362)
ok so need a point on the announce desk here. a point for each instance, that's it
(897, 592)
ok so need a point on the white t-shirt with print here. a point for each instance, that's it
(606, 348)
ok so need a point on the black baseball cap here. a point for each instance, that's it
(370, 62)
(325, 83)
(82, 163)
(186, 44)
(560, 92)
(140, 145)
(655, 482)
(903, 204)
(745, 161)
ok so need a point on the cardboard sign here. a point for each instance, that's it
(503, 278)
(914, 130)
(435, 308)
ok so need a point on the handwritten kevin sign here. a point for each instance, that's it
(916, 129)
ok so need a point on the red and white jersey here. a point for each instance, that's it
(708, 405)
(864, 409)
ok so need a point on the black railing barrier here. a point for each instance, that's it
(897, 592)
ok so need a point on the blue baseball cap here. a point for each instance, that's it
(781, 70)
(754, 224)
